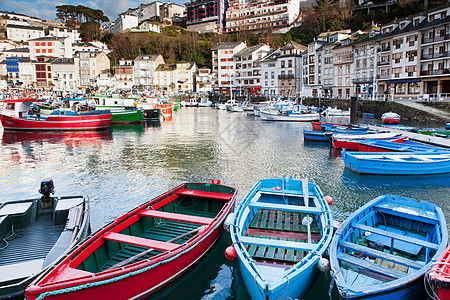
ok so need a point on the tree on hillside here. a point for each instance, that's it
(79, 14)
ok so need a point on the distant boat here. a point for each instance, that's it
(318, 136)
(390, 118)
(335, 112)
(382, 250)
(397, 163)
(17, 114)
(350, 142)
(289, 113)
(34, 233)
(280, 231)
(143, 250)
(204, 102)
(368, 115)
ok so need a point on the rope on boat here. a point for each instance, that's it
(426, 279)
(124, 276)
(8, 238)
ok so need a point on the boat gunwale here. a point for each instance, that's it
(386, 287)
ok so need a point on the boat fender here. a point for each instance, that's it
(324, 265)
(228, 221)
(329, 199)
(230, 253)
(306, 220)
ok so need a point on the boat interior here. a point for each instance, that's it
(33, 233)
(386, 243)
(160, 226)
(278, 235)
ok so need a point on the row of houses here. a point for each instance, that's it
(407, 58)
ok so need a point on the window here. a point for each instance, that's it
(413, 88)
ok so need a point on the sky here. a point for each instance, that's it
(45, 9)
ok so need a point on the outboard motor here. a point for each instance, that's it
(47, 188)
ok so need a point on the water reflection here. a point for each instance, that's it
(74, 138)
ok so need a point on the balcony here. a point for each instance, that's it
(383, 76)
(286, 76)
(385, 49)
(436, 39)
(435, 55)
(363, 80)
(383, 63)
(434, 72)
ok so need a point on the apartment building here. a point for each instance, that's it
(204, 80)
(178, 77)
(72, 34)
(27, 74)
(12, 59)
(43, 71)
(312, 69)
(364, 52)
(23, 32)
(50, 46)
(290, 62)
(88, 66)
(124, 22)
(269, 74)
(64, 75)
(224, 66)
(206, 15)
(247, 76)
(124, 74)
(343, 69)
(277, 16)
(144, 69)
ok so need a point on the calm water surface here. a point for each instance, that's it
(127, 165)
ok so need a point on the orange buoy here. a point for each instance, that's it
(230, 253)
(329, 199)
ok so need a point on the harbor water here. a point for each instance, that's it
(127, 165)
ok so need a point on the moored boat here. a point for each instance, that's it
(143, 250)
(288, 113)
(438, 277)
(17, 115)
(390, 118)
(350, 142)
(382, 250)
(336, 112)
(397, 163)
(398, 145)
(34, 233)
(318, 136)
(317, 125)
(280, 230)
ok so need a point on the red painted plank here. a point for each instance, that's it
(137, 241)
(175, 217)
(203, 194)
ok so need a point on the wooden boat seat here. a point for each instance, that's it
(368, 265)
(275, 253)
(281, 220)
(258, 241)
(175, 217)
(286, 207)
(15, 208)
(406, 247)
(138, 241)
(203, 194)
(383, 255)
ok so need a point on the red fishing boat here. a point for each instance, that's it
(21, 114)
(351, 142)
(143, 250)
(439, 276)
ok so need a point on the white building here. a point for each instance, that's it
(248, 69)
(7, 45)
(364, 57)
(88, 66)
(105, 81)
(312, 69)
(344, 69)
(23, 33)
(150, 26)
(178, 77)
(72, 34)
(123, 74)
(269, 74)
(63, 74)
(224, 66)
(50, 46)
(262, 15)
(144, 69)
(290, 65)
(124, 22)
(204, 80)
(27, 73)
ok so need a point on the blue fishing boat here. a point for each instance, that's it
(383, 250)
(399, 145)
(320, 136)
(397, 163)
(280, 230)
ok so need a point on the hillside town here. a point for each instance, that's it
(407, 58)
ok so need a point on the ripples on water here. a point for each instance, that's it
(127, 165)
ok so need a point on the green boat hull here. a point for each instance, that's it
(127, 117)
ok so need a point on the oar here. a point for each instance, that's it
(139, 255)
